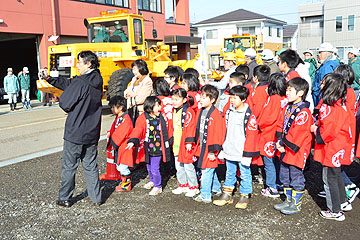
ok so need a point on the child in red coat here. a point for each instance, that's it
(192, 85)
(184, 124)
(209, 136)
(261, 81)
(294, 144)
(267, 123)
(334, 143)
(240, 146)
(154, 140)
(117, 142)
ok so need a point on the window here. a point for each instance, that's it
(351, 22)
(270, 31)
(250, 30)
(211, 34)
(150, 5)
(278, 32)
(338, 23)
(138, 32)
(120, 3)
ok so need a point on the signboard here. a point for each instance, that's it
(66, 61)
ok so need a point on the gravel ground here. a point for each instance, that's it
(28, 210)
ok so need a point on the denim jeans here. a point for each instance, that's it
(123, 169)
(209, 183)
(292, 176)
(270, 171)
(185, 173)
(245, 176)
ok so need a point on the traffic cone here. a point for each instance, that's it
(111, 172)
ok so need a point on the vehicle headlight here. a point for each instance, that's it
(69, 49)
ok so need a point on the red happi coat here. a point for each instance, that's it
(213, 139)
(334, 138)
(292, 73)
(259, 99)
(267, 122)
(251, 145)
(119, 134)
(140, 134)
(188, 122)
(166, 108)
(196, 96)
(298, 139)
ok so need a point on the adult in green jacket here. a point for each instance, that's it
(354, 63)
(309, 57)
(24, 79)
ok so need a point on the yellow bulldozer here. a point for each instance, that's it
(117, 38)
(236, 45)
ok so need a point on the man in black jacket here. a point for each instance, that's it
(81, 99)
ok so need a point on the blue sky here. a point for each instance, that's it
(285, 10)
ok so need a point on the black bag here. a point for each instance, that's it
(133, 112)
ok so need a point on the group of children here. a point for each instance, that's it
(266, 122)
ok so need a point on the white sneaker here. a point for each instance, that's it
(155, 191)
(149, 185)
(346, 206)
(180, 190)
(192, 192)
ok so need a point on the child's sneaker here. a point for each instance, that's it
(346, 206)
(180, 189)
(340, 216)
(155, 191)
(149, 185)
(322, 194)
(351, 192)
(192, 192)
(199, 198)
(243, 202)
(270, 192)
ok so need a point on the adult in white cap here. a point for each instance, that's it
(328, 64)
(24, 79)
(354, 63)
(309, 58)
(268, 58)
(250, 61)
(11, 86)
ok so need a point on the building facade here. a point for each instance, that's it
(334, 21)
(29, 27)
(269, 31)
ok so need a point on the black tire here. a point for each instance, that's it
(119, 81)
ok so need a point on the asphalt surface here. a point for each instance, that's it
(28, 211)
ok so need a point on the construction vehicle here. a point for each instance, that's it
(237, 44)
(117, 38)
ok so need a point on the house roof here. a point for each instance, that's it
(237, 15)
(289, 30)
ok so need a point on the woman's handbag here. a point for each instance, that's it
(133, 112)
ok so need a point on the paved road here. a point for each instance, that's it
(28, 132)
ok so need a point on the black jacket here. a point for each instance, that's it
(81, 99)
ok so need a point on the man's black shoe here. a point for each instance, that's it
(64, 203)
